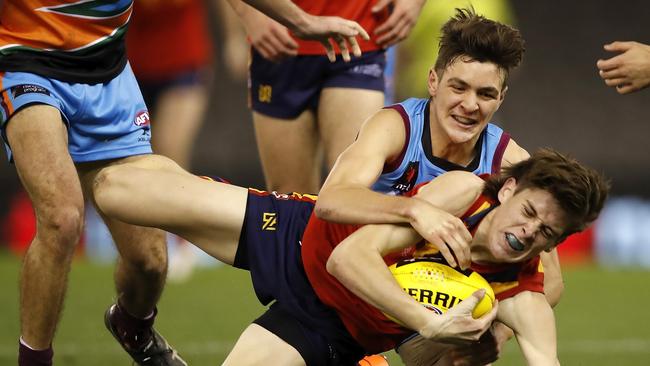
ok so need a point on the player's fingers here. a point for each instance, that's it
(343, 47)
(460, 250)
(381, 4)
(618, 46)
(488, 318)
(329, 49)
(354, 44)
(444, 250)
(610, 63)
(388, 25)
(358, 30)
(279, 48)
(611, 74)
(263, 51)
(626, 88)
(616, 82)
(467, 306)
(286, 40)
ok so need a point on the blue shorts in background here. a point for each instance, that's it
(288, 88)
(104, 121)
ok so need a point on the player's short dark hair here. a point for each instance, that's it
(579, 190)
(480, 39)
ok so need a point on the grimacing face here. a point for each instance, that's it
(526, 223)
(464, 98)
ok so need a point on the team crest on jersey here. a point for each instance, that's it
(142, 119)
(91, 9)
(407, 181)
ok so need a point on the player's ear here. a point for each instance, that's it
(502, 96)
(507, 189)
(432, 81)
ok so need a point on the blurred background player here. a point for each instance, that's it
(306, 110)
(629, 71)
(71, 106)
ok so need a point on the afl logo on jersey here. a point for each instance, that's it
(142, 119)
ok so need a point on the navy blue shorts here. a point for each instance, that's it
(288, 88)
(269, 247)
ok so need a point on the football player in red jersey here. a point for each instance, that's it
(328, 283)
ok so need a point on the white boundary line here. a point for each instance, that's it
(628, 346)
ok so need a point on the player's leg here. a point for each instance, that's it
(177, 117)
(283, 96)
(352, 93)
(38, 139)
(257, 346)
(206, 213)
(339, 119)
(289, 152)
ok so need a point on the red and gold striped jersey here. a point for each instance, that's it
(369, 326)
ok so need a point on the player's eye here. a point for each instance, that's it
(527, 212)
(457, 88)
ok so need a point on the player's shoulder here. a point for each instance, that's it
(513, 154)
(455, 190)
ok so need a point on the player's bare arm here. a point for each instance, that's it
(347, 197)
(324, 29)
(535, 333)
(367, 246)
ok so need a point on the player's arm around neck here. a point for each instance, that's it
(347, 196)
(366, 248)
(531, 318)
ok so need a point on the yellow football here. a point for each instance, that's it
(439, 287)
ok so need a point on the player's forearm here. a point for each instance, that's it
(360, 205)
(374, 283)
(553, 282)
(283, 11)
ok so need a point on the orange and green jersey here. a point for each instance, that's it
(73, 41)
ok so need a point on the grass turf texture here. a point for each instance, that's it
(602, 319)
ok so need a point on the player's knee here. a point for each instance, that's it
(60, 228)
(108, 186)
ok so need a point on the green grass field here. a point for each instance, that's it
(602, 319)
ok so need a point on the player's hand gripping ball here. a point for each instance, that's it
(438, 286)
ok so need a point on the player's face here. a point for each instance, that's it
(465, 97)
(525, 224)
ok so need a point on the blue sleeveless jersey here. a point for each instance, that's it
(416, 163)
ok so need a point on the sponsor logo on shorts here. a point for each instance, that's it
(146, 135)
(373, 70)
(142, 119)
(269, 221)
(19, 90)
(264, 93)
